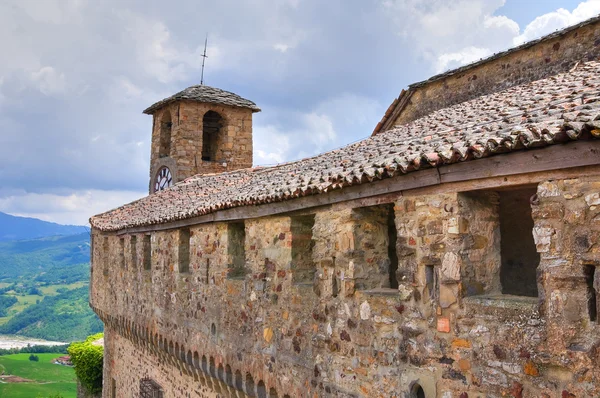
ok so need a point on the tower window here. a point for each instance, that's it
(184, 250)
(303, 267)
(236, 237)
(375, 237)
(166, 125)
(212, 123)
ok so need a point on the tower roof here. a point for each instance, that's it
(202, 93)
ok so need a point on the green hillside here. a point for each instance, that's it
(59, 256)
(44, 288)
(65, 317)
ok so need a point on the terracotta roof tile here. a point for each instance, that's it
(555, 110)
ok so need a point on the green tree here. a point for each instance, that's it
(87, 361)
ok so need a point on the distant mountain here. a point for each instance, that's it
(51, 259)
(17, 228)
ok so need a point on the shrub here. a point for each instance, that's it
(34, 358)
(87, 361)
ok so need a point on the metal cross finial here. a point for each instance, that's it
(204, 56)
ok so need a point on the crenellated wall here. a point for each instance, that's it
(446, 328)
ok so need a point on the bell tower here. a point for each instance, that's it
(199, 130)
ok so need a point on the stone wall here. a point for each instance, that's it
(233, 143)
(446, 329)
(546, 58)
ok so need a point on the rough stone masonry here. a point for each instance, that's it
(454, 256)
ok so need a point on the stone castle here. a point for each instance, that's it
(454, 254)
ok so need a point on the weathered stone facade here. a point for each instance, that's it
(367, 272)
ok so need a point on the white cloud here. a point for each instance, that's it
(49, 81)
(452, 34)
(558, 19)
(70, 208)
(328, 125)
(465, 56)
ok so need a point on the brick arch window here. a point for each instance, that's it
(212, 126)
(166, 125)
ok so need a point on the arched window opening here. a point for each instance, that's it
(261, 389)
(250, 385)
(417, 391)
(166, 126)
(212, 123)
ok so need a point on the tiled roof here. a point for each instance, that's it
(206, 94)
(555, 110)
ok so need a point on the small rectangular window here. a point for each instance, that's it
(236, 241)
(592, 294)
(122, 252)
(431, 281)
(147, 246)
(500, 255)
(303, 267)
(133, 248)
(150, 389)
(519, 257)
(375, 239)
(105, 255)
(184, 250)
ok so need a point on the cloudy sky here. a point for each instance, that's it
(75, 76)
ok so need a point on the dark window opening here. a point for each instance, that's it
(133, 248)
(150, 389)
(122, 252)
(105, 254)
(417, 391)
(303, 268)
(166, 125)
(431, 281)
(212, 123)
(113, 388)
(239, 381)
(375, 239)
(236, 238)
(519, 257)
(207, 271)
(147, 246)
(261, 389)
(184, 250)
(592, 295)
(250, 385)
(392, 240)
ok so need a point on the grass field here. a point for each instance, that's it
(52, 289)
(46, 377)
